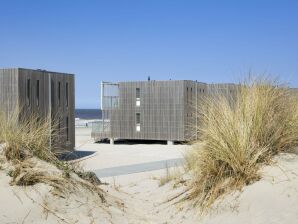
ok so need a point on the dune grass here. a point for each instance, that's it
(29, 145)
(25, 138)
(171, 174)
(238, 136)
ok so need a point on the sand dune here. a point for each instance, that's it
(138, 198)
(273, 199)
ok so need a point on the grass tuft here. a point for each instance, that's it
(170, 175)
(238, 136)
(28, 148)
(25, 138)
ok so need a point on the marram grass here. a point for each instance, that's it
(238, 136)
(28, 146)
(26, 138)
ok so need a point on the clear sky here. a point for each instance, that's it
(209, 41)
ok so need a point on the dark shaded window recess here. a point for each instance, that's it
(28, 98)
(66, 94)
(59, 94)
(138, 118)
(37, 92)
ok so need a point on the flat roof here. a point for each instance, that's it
(39, 70)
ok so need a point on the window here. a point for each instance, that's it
(28, 92)
(59, 94)
(138, 118)
(67, 129)
(37, 92)
(138, 122)
(138, 97)
(52, 93)
(187, 95)
(138, 93)
(66, 93)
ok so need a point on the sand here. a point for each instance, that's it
(107, 155)
(273, 199)
(42, 204)
(138, 198)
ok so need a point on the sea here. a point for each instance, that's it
(88, 114)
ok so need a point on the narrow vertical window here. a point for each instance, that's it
(37, 92)
(138, 93)
(67, 129)
(138, 118)
(66, 93)
(59, 94)
(138, 122)
(138, 97)
(187, 101)
(28, 91)
(52, 93)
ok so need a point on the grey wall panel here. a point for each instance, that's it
(161, 110)
(9, 90)
(194, 92)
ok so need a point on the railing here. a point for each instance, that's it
(100, 127)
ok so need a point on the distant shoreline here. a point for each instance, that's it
(88, 114)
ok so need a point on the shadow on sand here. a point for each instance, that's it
(68, 156)
(137, 142)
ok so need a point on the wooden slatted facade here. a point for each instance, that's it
(156, 110)
(41, 93)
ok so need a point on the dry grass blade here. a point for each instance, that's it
(25, 173)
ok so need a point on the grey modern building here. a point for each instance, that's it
(153, 110)
(43, 94)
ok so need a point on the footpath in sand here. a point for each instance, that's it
(144, 199)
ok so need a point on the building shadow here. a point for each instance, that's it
(133, 142)
(68, 156)
(137, 142)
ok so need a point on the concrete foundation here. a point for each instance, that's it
(170, 142)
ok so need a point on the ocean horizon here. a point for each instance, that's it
(88, 114)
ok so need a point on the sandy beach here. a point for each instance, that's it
(139, 198)
(266, 201)
(124, 155)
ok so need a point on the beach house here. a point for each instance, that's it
(153, 110)
(43, 94)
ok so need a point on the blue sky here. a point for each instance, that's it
(208, 41)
